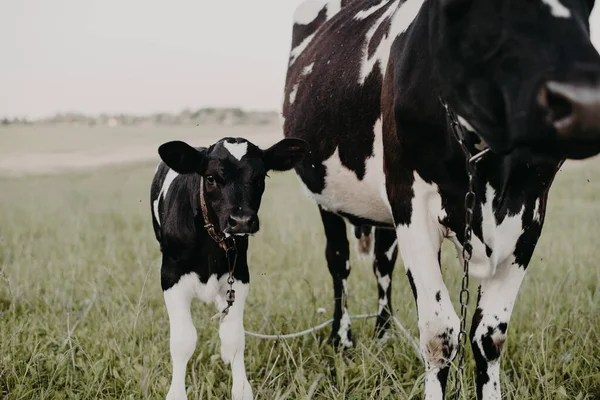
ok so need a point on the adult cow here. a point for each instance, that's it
(373, 85)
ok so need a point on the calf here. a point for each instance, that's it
(205, 203)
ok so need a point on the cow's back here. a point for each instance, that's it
(332, 100)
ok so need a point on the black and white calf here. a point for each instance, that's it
(194, 188)
(369, 86)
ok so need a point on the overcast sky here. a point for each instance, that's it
(142, 56)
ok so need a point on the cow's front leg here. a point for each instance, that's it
(386, 252)
(178, 300)
(233, 340)
(419, 239)
(490, 322)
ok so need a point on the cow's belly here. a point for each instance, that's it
(346, 194)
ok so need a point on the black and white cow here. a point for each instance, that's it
(220, 185)
(367, 87)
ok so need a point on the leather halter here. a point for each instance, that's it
(218, 237)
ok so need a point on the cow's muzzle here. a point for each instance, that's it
(573, 109)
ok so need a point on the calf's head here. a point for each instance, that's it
(522, 73)
(233, 171)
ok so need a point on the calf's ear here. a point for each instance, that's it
(285, 154)
(181, 157)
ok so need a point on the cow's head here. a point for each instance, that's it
(234, 172)
(523, 73)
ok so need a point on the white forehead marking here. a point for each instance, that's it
(557, 9)
(238, 150)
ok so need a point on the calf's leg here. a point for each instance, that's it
(233, 340)
(178, 300)
(337, 253)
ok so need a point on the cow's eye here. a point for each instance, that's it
(210, 179)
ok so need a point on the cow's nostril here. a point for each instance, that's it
(559, 106)
(232, 221)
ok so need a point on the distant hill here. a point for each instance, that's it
(203, 116)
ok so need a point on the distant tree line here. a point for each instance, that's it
(203, 116)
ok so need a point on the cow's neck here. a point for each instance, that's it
(513, 186)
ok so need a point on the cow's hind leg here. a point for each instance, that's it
(178, 300)
(337, 253)
(497, 297)
(385, 255)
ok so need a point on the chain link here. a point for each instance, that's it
(464, 291)
(231, 260)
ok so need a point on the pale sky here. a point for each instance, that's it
(143, 56)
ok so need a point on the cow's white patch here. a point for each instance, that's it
(383, 281)
(536, 211)
(296, 51)
(347, 265)
(308, 69)
(402, 15)
(344, 329)
(497, 298)
(500, 237)
(238, 150)
(557, 9)
(345, 192)
(155, 210)
(308, 10)
(363, 14)
(293, 93)
(171, 175)
(333, 7)
(183, 337)
(419, 243)
(390, 252)
(465, 124)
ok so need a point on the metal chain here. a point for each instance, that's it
(467, 252)
(231, 260)
(464, 290)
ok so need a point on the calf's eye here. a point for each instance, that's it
(210, 179)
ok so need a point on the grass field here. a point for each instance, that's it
(82, 314)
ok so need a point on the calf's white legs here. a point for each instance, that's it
(178, 300)
(231, 333)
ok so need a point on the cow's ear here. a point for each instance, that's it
(181, 157)
(285, 154)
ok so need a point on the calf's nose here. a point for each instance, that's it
(242, 224)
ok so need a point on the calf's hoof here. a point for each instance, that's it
(177, 394)
(242, 391)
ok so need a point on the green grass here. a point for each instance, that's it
(82, 314)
